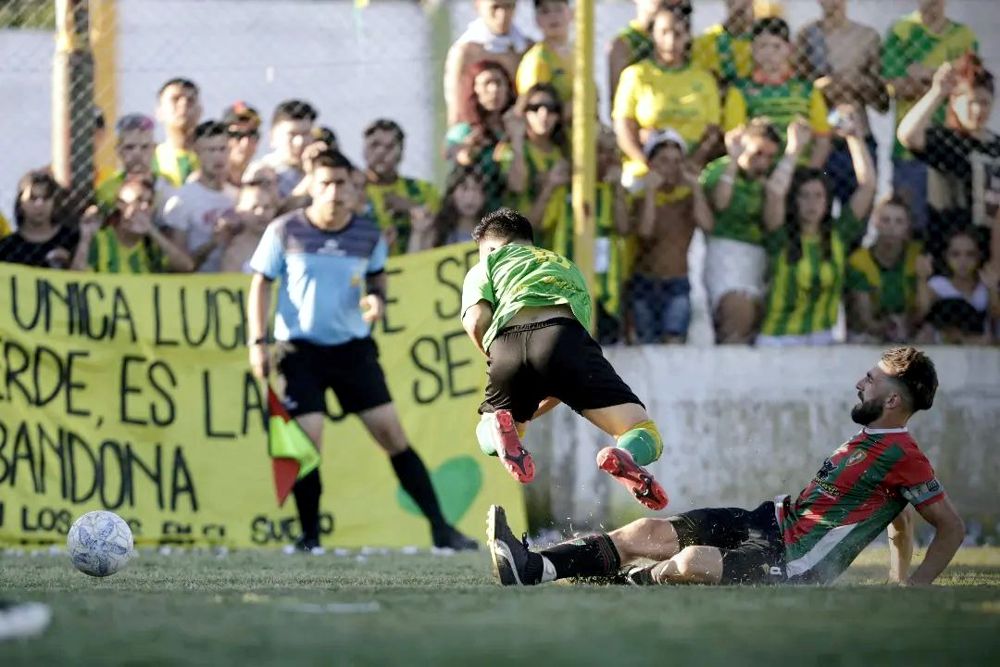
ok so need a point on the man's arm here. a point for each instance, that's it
(258, 309)
(948, 536)
(454, 64)
(901, 545)
(476, 321)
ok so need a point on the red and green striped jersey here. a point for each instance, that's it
(855, 495)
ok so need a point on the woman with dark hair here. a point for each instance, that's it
(463, 206)
(535, 160)
(129, 242)
(963, 151)
(808, 247)
(486, 97)
(40, 239)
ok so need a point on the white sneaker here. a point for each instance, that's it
(21, 620)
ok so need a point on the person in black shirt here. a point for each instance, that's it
(40, 240)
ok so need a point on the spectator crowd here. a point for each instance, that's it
(755, 134)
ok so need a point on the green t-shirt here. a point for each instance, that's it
(804, 297)
(524, 276)
(893, 289)
(744, 219)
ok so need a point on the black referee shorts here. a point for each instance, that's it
(350, 369)
(753, 551)
(556, 357)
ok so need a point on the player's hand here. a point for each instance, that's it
(924, 267)
(799, 135)
(945, 80)
(372, 307)
(734, 143)
(260, 361)
(90, 222)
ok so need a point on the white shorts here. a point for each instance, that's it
(815, 338)
(734, 266)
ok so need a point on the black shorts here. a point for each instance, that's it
(556, 357)
(753, 551)
(350, 369)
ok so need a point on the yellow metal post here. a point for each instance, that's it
(104, 45)
(584, 143)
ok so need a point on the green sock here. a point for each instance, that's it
(642, 442)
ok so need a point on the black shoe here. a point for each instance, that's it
(449, 538)
(305, 545)
(508, 555)
(24, 619)
(640, 576)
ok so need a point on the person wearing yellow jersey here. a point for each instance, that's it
(398, 203)
(807, 245)
(130, 242)
(179, 110)
(134, 147)
(662, 91)
(774, 92)
(724, 49)
(550, 60)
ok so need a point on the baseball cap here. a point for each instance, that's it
(240, 113)
(658, 137)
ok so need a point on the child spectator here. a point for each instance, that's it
(179, 110)
(966, 279)
(882, 280)
(256, 207)
(291, 132)
(551, 60)
(40, 238)
(672, 207)
(243, 129)
(773, 91)
(129, 242)
(725, 49)
(664, 90)
(463, 207)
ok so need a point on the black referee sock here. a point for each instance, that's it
(307, 492)
(590, 556)
(413, 477)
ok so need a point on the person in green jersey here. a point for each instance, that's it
(865, 486)
(527, 309)
(881, 280)
(724, 49)
(179, 109)
(807, 245)
(134, 147)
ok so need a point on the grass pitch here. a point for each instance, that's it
(265, 608)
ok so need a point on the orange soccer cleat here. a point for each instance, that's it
(619, 464)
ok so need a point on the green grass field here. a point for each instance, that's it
(262, 608)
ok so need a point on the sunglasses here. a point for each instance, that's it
(548, 106)
(243, 134)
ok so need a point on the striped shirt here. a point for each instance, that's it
(728, 57)
(174, 165)
(416, 191)
(107, 254)
(857, 493)
(892, 289)
(638, 41)
(780, 103)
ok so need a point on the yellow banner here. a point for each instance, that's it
(133, 394)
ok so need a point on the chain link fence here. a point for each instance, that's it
(720, 244)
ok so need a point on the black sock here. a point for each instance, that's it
(307, 491)
(415, 481)
(589, 556)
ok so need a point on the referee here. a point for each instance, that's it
(323, 255)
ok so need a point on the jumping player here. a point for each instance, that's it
(862, 488)
(527, 309)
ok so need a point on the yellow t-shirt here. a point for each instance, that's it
(728, 57)
(543, 64)
(656, 97)
(4, 226)
(174, 165)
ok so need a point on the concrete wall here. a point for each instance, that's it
(741, 426)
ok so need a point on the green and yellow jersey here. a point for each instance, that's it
(108, 255)
(419, 192)
(744, 219)
(909, 41)
(804, 297)
(543, 64)
(893, 289)
(636, 38)
(728, 57)
(539, 162)
(174, 165)
(781, 103)
(525, 276)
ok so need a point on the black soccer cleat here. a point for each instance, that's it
(508, 555)
(449, 537)
(640, 576)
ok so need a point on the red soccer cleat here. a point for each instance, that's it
(619, 464)
(515, 458)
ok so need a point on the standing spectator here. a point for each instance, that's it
(808, 246)
(256, 207)
(735, 260)
(487, 96)
(492, 36)
(882, 280)
(535, 161)
(725, 49)
(179, 110)
(291, 132)
(323, 323)
(198, 217)
(774, 92)
(550, 60)
(463, 207)
(672, 207)
(40, 239)
(664, 90)
(963, 151)
(843, 59)
(243, 129)
(398, 202)
(966, 280)
(129, 242)
(134, 147)
(917, 45)
(611, 236)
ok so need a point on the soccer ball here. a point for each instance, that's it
(99, 543)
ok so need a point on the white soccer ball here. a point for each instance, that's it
(99, 543)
